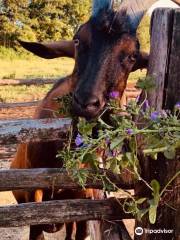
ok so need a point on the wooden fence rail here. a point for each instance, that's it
(23, 131)
(15, 179)
(27, 82)
(19, 104)
(61, 211)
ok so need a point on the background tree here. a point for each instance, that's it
(40, 20)
(47, 20)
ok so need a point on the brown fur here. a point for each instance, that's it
(104, 57)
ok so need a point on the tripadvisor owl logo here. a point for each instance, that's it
(139, 231)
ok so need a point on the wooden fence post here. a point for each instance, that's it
(107, 230)
(165, 68)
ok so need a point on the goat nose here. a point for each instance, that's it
(92, 102)
(87, 102)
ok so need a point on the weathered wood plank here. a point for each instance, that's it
(173, 83)
(33, 130)
(20, 104)
(163, 170)
(61, 211)
(172, 97)
(159, 54)
(15, 179)
(27, 82)
(165, 45)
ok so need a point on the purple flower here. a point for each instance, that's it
(154, 116)
(146, 105)
(108, 153)
(164, 114)
(137, 99)
(112, 153)
(114, 95)
(129, 131)
(108, 141)
(177, 105)
(115, 153)
(78, 140)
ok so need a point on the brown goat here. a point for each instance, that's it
(106, 50)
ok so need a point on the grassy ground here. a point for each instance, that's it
(22, 93)
(34, 67)
(133, 77)
(27, 69)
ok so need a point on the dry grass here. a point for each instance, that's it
(23, 93)
(36, 68)
(134, 77)
(32, 68)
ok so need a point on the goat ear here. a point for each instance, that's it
(50, 50)
(141, 62)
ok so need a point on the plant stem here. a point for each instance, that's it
(169, 182)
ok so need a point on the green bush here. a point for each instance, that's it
(41, 20)
(13, 54)
(143, 33)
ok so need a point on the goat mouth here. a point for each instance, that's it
(88, 115)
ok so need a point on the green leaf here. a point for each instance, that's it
(124, 162)
(155, 185)
(177, 144)
(114, 166)
(91, 159)
(131, 207)
(156, 188)
(88, 158)
(116, 142)
(130, 157)
(103, 124)
(152, 214)
(154, 156)
(85, 128)
(141, 200)
(141, 213)
(170, 153)
(148, 83)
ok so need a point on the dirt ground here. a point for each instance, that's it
(16, 113)
(6, 198)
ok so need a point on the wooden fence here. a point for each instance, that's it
(164, 66)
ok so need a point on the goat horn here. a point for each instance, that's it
(135, 10)
(99, 5)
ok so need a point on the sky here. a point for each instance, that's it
(162, 3)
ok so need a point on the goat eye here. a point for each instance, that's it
(133, 57)
(122, 57)
(76, 42)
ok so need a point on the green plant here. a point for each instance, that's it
(138, 130)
